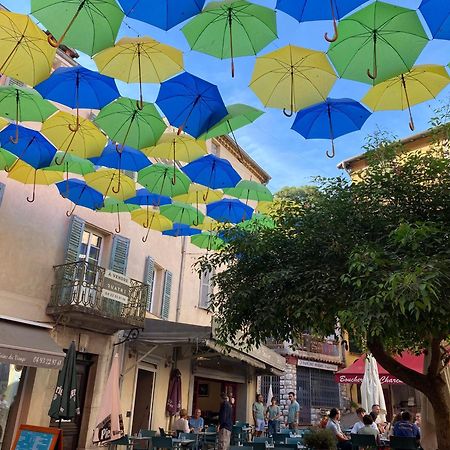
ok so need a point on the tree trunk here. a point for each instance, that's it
(432, 385)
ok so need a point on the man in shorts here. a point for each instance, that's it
(258, 415)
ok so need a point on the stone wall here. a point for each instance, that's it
(288, 383)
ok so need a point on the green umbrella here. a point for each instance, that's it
(126, 122)
(22, 103)
(64, 404)
(257, 221)
(87, 25)
(250, 190)
(238, 116)
(378, 42)
(231, 28)
(207, 240)
(182, 213)
(7, 159)
(159, 179)
(112, 205)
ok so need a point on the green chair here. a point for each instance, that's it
(162, 442)
(294, 440)
(404, 443)
(363, 441)
(237, 435)
(280, 438)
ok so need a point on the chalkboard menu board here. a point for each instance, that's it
(30, 437)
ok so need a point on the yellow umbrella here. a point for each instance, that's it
(292, 78)
(140, 60)
(208, 224)
(264, 207)
(199, 194)
(420, 84)
(27, 174)
(25, 53)
(152, 220)
(111, 182)
(82, 139)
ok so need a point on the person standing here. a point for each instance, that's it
(258, 415)
(293, 412)
(273, 414)
(225, 423)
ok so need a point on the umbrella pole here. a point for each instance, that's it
(58, 163)
(374, 75)
(127, 133)
(230, 22)
(411, 120)
(333, 15)
(144, 239)
(118, 181)
(8, 169)
(240, 158)
(67, 178)
(117, 230)
(11, 53)
(140, 103)
(180, 129)
(174, 178)
(77, 125)
(289, 114)
(33, 196)
(196, 205)
(332, 154)
(15, 140)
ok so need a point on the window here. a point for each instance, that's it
(205, 290)
(155, 285)
(266, 381)
(215, 148)
(91, 246)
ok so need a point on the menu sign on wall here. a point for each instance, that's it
(116, 287)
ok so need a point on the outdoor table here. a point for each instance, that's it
(183, 442)
(141, 439)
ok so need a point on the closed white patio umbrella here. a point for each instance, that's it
(371, 390)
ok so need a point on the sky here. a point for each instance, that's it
(285, 155)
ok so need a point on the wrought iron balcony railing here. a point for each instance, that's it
(78, 297)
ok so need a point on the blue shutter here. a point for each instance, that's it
(148, 279)
(2, 192)
(76, 229)
(119, 254)
(167, 290)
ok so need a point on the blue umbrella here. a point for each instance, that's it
(213, 172)
(81, 194)
(144, 197)
(122, 158)
(163, 14)
(229, 210)
(437, 16)
(180, 229)
(191, 104)
(78, 87)
(311, 10)
(330, 119)
(31, 146)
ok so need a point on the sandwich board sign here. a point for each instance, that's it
(30, 437)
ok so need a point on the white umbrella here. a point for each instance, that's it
(269, 395)
(110, 422)
(371, 390)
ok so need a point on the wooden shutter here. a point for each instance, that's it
(148, 279)
(119, 254)
(13, 82)
(167, 290)
(205, 289)
(2, 192)
(76, 230)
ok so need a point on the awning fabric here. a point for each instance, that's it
(163, 332)
(354, 373)
(28, 344)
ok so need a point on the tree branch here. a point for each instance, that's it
(436, 354)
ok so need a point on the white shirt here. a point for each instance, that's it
(181, 425)
(360, 424)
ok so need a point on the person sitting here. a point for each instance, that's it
(343, 442)
(368, 428)
(196, 422)
(405, 427)
(360, 413)
(182, 424)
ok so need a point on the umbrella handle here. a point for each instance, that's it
(69, 213)
(15, 139)
(75, 128)
(144, 238)
(288, 114)
(118, 186)
(411, 124)
(332, 153)
(140, 104)
(374, 75)
(336, 33)
(117, 229)
(33, 195)
(57, 162)
(52, 41)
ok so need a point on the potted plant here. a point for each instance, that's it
(320, 439)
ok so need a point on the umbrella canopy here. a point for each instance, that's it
(110, 422)
(7, 159)
(64, 403)
(238, 116)
(81, 138)
(24, 54)
(164, 14)
(311, 10)
(229, 210)
(181, 229)
(199, 194)
(250, 190)
(420, 84)
(211, 171)
(146, 61)
(257, 222)
(112, 205)
(207, 240)
(145, 197)
(377, 43)
(124, 158)
(151, 219)
(191, 104)
(173, 403)
(31, 146)
(437, 16)
(72, 164)
(126, 122)
(292, 78)
(78, 192)
(110, 182)
(89, 26)
(331, 119)
(371, 389)
(182, 213)
(208, 224)
(231, 28)
(159, 179)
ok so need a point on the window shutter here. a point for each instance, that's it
(76, 229)
(119, 254)
(2, 192)
(167, 290)
(14, 82)
(205, 289)
(148, 279)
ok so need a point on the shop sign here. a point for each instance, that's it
(116, 287)
(357, 379)
(20, 357)
(317, 365)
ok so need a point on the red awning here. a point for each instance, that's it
(354, 373)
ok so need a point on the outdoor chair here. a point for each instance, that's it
(237, 435)
(294, 440)
(403, 443)
(288, 446)
(123, 441)
(210, 441)
(286, 431)
(280, 438)
(190, 436)
(263, 439)
(162, 433)
(162, 442)
(258, 445)
(147, 433)
(363, 441)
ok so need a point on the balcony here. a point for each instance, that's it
(85, 296)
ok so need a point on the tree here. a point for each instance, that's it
(296, 194)
(372, 256)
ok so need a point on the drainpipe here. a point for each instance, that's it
(181, 278)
